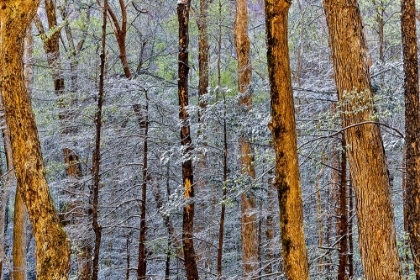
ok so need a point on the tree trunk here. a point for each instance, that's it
(269, 232)
(203, 250)
(368, 167)
(342, 214)
(223, 211)
(141, 270)
(20, 213)
(283, 129)
(96, 159)
(248, 220)
(412, 128)
(52, 245)
(183, 11)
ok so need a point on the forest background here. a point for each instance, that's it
(140, 181)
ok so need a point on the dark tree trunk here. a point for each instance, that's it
(412, 128)
(141, 270)
(96, 160)
(183, 11)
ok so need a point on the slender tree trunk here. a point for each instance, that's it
(412, 128)
(183, 10)
(248, 221)
(350, 230)
(343, 216)
(203, 250)
(223, 212)
(127, 249)
(368, 167)
(52, 245)
(283, 129)
(203, 56)
(141, 270)
(96, 160)
(269, 232)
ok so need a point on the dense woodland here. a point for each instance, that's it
(209, 139)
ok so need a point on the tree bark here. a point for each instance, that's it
(342, 214)
(368, 167)
(283, 129)
(203, 250)
(96, 159)
(412, 128)
(183, 11)
(20, 213)
(52, 245)
(248, 220)
(141, 270)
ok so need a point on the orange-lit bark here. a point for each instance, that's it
(52, 245)
(283, 129)
(366, 155)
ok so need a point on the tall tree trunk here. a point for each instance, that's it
(141, 270)
(223, 211)
(183, 11)
(368, 167)
(203, 250)
(248, 220)
(412, 127)
(283, 129)
(52, 245)
(96, 159)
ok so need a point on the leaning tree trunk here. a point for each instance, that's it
(412, 128)
(283, 129)
(248, 220)
(368, 167)
(183, 10)
(52, 245)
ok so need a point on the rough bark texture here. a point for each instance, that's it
(52, 245)
(183, 11)
(248, 221)
(20, 213)
(412, 128)
(368, 167)
(283, 129)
